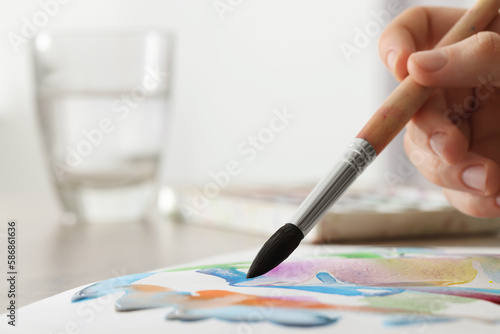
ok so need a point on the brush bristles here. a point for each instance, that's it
(281, 244)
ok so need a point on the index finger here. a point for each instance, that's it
(416, 29)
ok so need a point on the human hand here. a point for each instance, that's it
(456, 134)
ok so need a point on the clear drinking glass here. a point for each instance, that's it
(102, 103)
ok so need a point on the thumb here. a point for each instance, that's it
(464, 64)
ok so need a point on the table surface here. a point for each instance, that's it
(54, 257)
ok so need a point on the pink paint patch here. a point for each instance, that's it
(381, 272)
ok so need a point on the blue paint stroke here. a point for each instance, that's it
(108, 286)
(326, 278)
(280, 316)
(415, 319)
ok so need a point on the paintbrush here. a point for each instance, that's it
(378, 132)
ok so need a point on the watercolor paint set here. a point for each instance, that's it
(322, 288)
(361, 214)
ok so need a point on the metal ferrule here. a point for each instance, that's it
(352, 163)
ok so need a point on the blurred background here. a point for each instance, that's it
(235, 63)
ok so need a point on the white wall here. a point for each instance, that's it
(228, 76)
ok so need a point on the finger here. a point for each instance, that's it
(474, 205)
(474, 174)
(464, 64)
(432, 130)
(494, 25)
(417, 28)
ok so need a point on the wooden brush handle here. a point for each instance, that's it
(409, 96)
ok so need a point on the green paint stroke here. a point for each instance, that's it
(416, 302)
(234, 265)
(357, 255)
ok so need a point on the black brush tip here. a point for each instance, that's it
(281, 244)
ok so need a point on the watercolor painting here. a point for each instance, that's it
(394, 287)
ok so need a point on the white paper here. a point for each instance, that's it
(318, 289)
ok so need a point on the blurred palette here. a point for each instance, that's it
(361, 214)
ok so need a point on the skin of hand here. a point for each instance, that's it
(454, 139)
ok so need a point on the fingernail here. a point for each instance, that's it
(391, 60)
(475, 177)
(437, 144)
(431, 61)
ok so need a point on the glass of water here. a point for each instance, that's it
(102, 102)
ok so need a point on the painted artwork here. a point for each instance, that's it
(322, 288)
